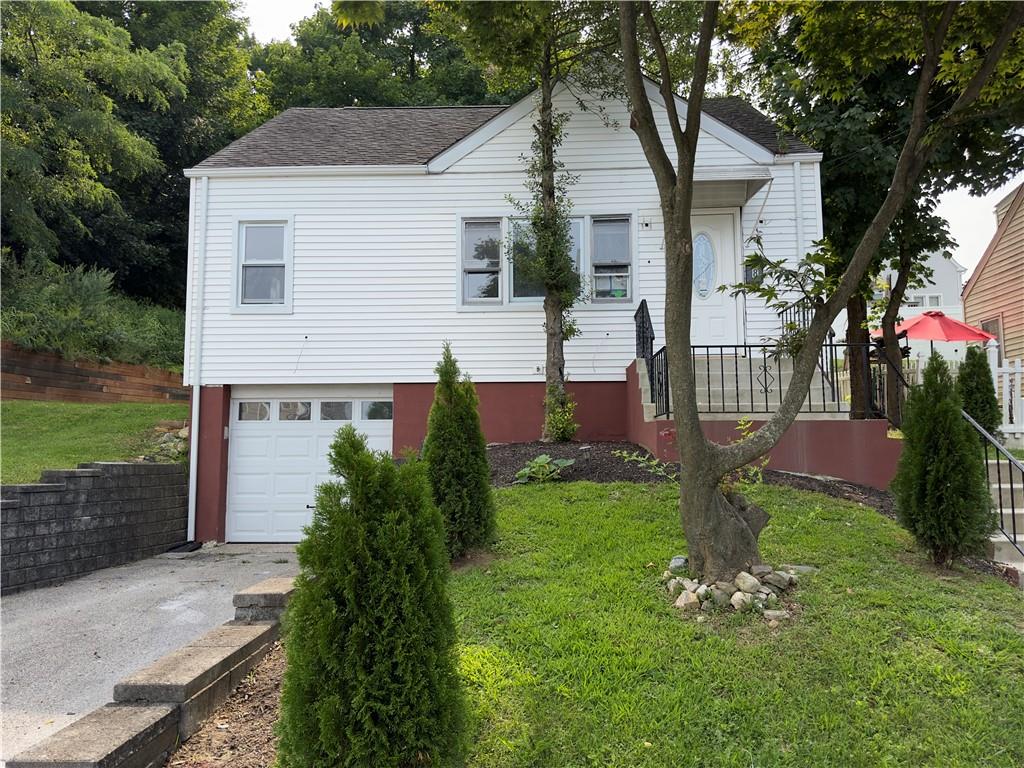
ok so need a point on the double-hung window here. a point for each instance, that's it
(611, 258)
(527, 274)
(481, 261)
(264, 266)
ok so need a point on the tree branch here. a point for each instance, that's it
(665, 81)
(695, 98)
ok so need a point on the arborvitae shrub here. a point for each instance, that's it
(371, 679)
(941, 487)
(456, 456)
(977, 392)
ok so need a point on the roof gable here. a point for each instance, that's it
(1004, 223)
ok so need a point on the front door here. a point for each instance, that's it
(715, 313)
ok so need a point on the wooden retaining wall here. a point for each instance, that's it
(26, 375)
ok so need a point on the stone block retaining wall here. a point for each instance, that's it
(80, 520)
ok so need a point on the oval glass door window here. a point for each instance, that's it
(703, 266)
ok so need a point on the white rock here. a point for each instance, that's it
(747, 583)
(703, 592)
(690, 585)
(777, 615)
(741, 601)
(687, 601)
(674, 587)
(760, 570)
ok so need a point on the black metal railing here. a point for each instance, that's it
(644, 332)
(657, 370)
(797, 317)
(1004, 487)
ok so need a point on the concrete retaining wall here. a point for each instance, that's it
(80, 520)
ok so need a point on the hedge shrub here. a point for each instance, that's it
(977, 391)
(941, 485)
(456, 454)
(371, 679)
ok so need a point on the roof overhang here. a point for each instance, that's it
(276, 171)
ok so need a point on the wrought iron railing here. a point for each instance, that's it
(797, 317)
(1006, 487)
(644, 332)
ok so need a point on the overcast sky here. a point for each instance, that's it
(971, 220)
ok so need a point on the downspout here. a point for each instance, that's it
(198, 306)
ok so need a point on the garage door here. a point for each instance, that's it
(277, 455)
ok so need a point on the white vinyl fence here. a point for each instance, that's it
(1009, 381)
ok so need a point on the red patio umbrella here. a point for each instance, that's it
(935, 326)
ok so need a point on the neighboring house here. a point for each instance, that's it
(334, 250)
(994, 296)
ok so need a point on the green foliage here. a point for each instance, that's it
(752, 473)
(977, 391)
(369, 634)
(542, 469)
(63, 73)
(559, 417)
(75, 313)
(456, 455)
(655, 466)
(941, 484)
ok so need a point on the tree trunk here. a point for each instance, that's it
(857, 363)
(554, 357)
(893, 354)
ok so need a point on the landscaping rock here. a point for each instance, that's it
(667, 576)
(778, 579)
(719, 596)
(760, 570)
(703, 592)
(678, 565)
(688, 601)
(741, 601)
(690, 585)
(747, 583)
(773, 624)
(777, 615)
(726, 586)
(674, 587)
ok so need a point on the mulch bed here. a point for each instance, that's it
(241, 732)
(602, 466)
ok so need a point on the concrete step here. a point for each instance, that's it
(122, 735)
(1002, 551)
(264, 601)
(1001, 470)
(1008, 498)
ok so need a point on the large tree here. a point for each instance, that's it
(144, 240)
(858, 132)
(66, 144)
(969, 56)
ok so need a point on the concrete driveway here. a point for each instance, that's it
(64, 647)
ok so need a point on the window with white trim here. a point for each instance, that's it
(264, 265)
(611, 258)
(481, 261)
(924, 300)
(529, 283)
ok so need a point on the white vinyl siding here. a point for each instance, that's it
(377, 269)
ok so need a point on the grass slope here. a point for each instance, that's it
(573, 657)
(39, 435)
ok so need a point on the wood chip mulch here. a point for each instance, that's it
(241, 732)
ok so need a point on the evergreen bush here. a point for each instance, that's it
(371, 679)
(456, 456)
(977, 391)
(941, 486)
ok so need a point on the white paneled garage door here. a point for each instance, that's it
(277, 452)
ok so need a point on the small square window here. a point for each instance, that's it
(336, 410)
(377, 410)
(254, 411)
(263, 268)
(294, 410)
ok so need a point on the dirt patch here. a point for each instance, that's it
(476, 559)
(599, 464)
(241, 732)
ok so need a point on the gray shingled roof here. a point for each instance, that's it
(743, 117)
(352, 136)
(305, 136)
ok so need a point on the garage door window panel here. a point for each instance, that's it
(336, 410)
(377, 410)
(254, 411)
(294, 410)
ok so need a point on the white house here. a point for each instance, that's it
(334, 250)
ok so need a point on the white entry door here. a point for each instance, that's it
(277, 455)
(715, 313)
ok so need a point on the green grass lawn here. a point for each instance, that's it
(573, 656)
(37, 435)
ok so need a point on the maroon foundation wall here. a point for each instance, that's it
(857, 451)
(212, 466)
(513, 412)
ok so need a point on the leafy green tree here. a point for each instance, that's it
(941, 485)
(977, 391)
(539, 44)
(456, 455)
(66, 145)
(964, 59)
(397, 60)
(370, 639)
(145, 240)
